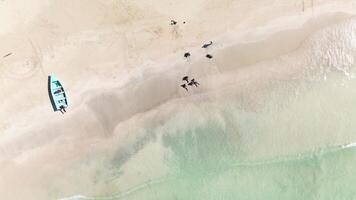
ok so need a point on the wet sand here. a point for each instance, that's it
(121, 64)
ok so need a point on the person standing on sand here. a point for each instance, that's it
(184, 86)
(62, 109)
(193, 82)
(185, 78)
(187, 55)
(173, 22)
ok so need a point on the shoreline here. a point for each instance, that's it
(121, 93)
(274, 161)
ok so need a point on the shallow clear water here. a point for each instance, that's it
(286, 145)
(277, 151)
(318, 175)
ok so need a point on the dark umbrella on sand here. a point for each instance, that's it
(185, 78)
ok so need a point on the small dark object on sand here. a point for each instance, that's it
(209, 56)
(193, 82)
(184, 86)
(185, 78)
(207, 45)
(62, 109)
(9, 54)
(183, 22)
(186, 55)
(173, 22)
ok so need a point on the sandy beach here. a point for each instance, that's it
(121, 63)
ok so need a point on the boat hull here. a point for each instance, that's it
(56, 93)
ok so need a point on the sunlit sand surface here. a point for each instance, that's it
(273, 117)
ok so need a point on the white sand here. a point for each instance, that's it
(120, 61)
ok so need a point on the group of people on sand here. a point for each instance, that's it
(189, 83)
(175, 22)
(186, 78)
(205, 46)
(187, 56)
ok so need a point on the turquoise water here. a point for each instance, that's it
(281, 141)
(203, 168)
(289, 148)
(320, 175)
